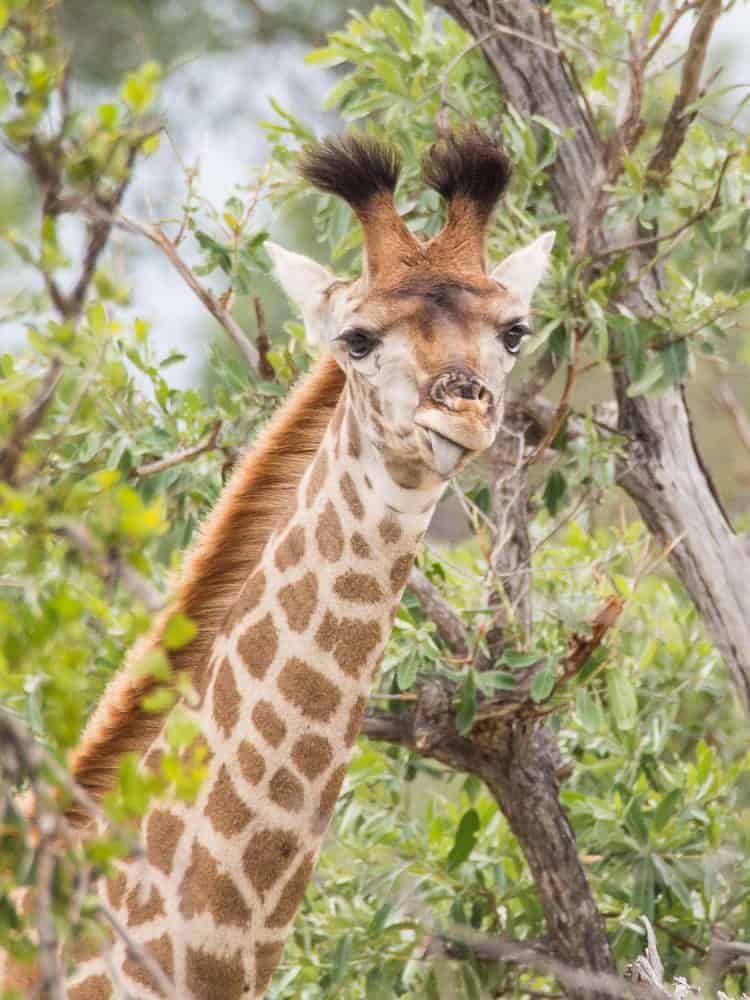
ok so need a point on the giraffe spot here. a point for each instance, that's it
(351, 497)
(250, 595)
(210, 975)
(326, 634)
(252, 765)
(228, 813)
(355, 641)
(160, 949)
(91, 988)
(328, 798)
(298, 601)
(267, 957)
(291, 550)
(116, 889)
(360, 588)
(292, 893)
(257, 646)
(400, 572)
(312, 754)
(226, 699)
(354, 724)
(317, 477)
(286, 790)
(328, 534)
(390, 530)
(407, 475)
(141, 911)
(355, 443)
(360, 547)
(152, 760)
(269, 723)
(206, 888)
(308, 690)
(268, 855)
(163, 831)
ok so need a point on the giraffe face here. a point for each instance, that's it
(426, 352)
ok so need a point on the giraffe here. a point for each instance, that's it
(297, 577)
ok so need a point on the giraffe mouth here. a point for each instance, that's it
(446, 454)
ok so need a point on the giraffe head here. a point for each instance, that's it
(427, 335)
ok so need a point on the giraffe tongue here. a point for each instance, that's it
(447, 454)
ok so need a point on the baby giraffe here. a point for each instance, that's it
(298, 575)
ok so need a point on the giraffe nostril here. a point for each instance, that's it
(459, 384)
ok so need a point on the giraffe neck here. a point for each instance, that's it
(283, 703)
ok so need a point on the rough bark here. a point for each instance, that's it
(661, 468)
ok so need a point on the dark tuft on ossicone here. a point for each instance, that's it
(353, 166)
(468, 163)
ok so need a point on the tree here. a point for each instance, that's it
(592, 755)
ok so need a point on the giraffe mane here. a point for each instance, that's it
(229, 545)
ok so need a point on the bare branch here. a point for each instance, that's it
(178, 457)
(138, 954)
(159, 238)
(265, 368)
(28, 422)
(679, 118)
(449, 625)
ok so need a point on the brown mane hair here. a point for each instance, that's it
(228, 547)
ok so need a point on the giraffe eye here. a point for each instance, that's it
(359, 343)
(513, 336)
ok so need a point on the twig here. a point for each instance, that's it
(178, 457)
(562, 407)
(679, 119)
(265, 368)
(110, 567)
(28, 422)
(156, 235)
(674, 233)
(449, 625)
(137, 953)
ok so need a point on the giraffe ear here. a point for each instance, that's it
(305, 283)
(522, 271)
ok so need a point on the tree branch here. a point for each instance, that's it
(449, 625)
(178, 457)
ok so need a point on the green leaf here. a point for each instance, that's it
(674, 358)
(513, 658)
(622, 698)
(642, 896)
(587, 711)
(666, 809)
(465, 839)
(178, 631)
(544, 682)
(555, 491)
(467, 703)
(635, 822)
(653, 371)
(406, 672)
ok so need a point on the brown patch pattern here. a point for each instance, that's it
(251, 594)
(292, 893)
(252, 765)
(351, 497)
(355, 443)
(298, 601)
(226, 699)
(206, 888)
(116, 888)
(163, 832)
(309, 691)
(269, 723)
(160, 949)
(390, 529)
(141, 911)
(317, 477)
(359, 588)
(360, 547)
(210, 975)
(228, 813)
(91, 988)
(312, 754)
(354, 724)
(267, 957)
(328, 534)
(286, 790)
(400, 572)
(328, 799)
(407, 475)
(268, 855)
(291, 550)
(257, 646)
(355, 642)
(326, 634)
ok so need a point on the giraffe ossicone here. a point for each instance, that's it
(415, 354)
